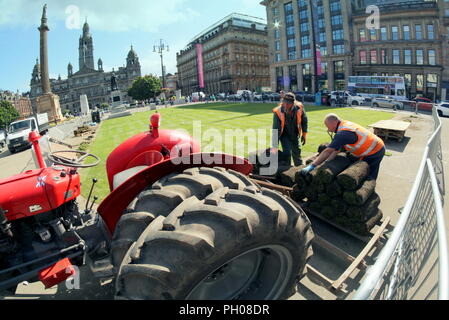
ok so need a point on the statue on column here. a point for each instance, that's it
(114, 86)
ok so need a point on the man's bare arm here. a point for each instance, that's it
(327, 154)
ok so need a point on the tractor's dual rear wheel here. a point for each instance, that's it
(232, 240)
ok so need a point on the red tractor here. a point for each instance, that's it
(176, 225)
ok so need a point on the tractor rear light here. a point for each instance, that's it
(57, 273)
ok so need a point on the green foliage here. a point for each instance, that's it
(104, 106)
(8, 114)
(144, 88)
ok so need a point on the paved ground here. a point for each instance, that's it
(397, 175)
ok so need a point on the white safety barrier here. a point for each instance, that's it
(413, 265)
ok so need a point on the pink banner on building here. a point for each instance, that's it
(319, 71)
(199, 57)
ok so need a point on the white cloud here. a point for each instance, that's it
(142, 15)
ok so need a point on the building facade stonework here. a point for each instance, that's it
(235, 57)
(410, 41)
(94, 82)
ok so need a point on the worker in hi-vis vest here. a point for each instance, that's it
(355, 139)
(290, 121)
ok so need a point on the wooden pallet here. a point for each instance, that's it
(387, 129)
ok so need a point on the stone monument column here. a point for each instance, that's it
(47, 102)
(43, 29)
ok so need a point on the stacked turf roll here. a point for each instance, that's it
(340, 191)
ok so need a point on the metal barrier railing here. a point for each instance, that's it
(417, 249)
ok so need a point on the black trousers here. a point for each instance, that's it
(291, 149)
(374, 163)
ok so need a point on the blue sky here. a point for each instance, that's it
(114, 25)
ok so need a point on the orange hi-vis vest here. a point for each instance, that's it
(281, 116)
(367, 143)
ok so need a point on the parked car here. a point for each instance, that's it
(443, 109)
(423, 103)
(257, 97)
(387, 102)
(351, 99)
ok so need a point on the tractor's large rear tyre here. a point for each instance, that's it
(163, 197)
(235, 244)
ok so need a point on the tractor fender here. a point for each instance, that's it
(112, 208)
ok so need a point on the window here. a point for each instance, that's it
(277, 34)
(432, 57)
(291, 43)
(322, 37)
(303, 14)
(383, 56)
(432, 80)
(419, 57)
(406, 31)
(290, 31)
(278, 57)
(302, 3)
(418, 32)
(373, 34)
(335, 6)
(321, 24)
(323, 51)
(338, 34)
(324, 67)
(320, 10)
(407, 56)
(362, 35)
(394, 33)
(337, 20)
(430, 32)
(383, 34)
(339, 49)
(339, 67)
(420, 82)
(288, 7)
(277, 46)
(396, 57)
(292, 55)
(306, 69)
(408, 80)
(373, 56)
(362, 57)
(306, 53)
(304, 27)
(305, 40)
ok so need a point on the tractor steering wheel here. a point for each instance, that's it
(56, 158)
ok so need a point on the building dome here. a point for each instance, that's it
(132, 54)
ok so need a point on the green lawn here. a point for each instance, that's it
(219, 118)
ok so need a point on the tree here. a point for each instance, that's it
(144, 88)
(8, 114)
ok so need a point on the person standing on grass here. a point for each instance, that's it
(291, 122)
(357, 140)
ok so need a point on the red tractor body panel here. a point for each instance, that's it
(37, 191)
(111, 209)
(146, 149)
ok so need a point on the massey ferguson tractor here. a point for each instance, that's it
(174, 226)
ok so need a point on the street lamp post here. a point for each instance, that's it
(160, 48)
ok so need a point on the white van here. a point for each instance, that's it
(196, 96)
